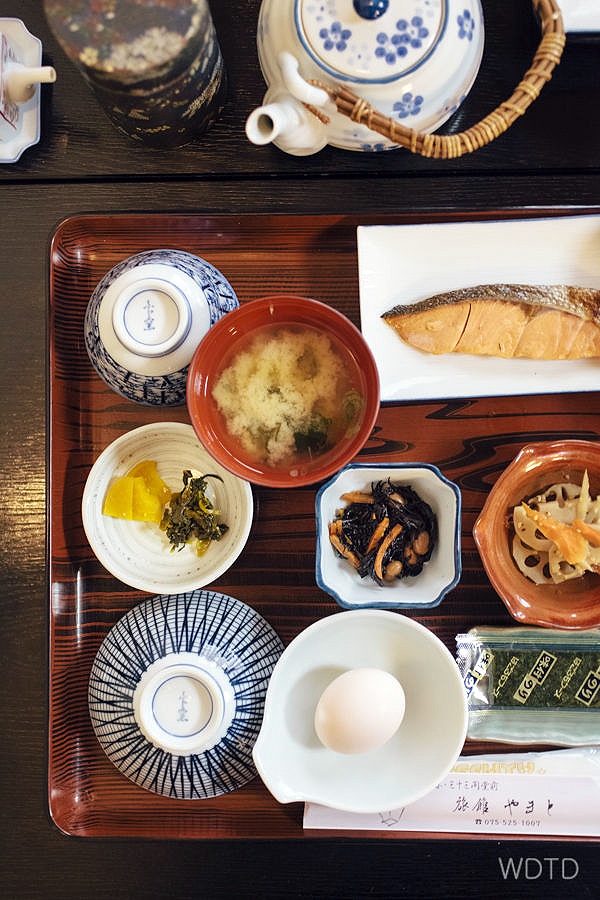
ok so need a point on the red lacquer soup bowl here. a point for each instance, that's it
(283, 391)
(569, 604)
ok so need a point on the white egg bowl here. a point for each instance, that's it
(139, 553)
(440, 574)
(296, 766)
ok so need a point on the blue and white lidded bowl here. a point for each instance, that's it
(145, 319)
(177, 691)
(413, 60)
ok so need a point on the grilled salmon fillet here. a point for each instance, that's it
(507, 320)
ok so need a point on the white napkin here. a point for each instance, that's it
(556, 792)
(580, 15)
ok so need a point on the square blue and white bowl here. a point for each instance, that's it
(440, 573)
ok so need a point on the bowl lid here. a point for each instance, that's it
(177, 689)
(183, 703)
(371, 41)
(152, 317)
(146, 317)
(124, 44)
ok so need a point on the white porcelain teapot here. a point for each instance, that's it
(412, 60)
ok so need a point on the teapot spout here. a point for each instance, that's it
(266, 122)
(287, 123)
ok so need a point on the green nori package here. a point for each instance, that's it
(532, 685)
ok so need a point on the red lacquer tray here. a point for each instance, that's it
(470, 440)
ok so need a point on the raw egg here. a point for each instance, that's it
(359, 711)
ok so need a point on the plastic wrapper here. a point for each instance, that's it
(532, 685)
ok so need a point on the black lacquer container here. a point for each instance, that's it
(154, 65)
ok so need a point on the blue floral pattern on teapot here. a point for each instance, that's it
(412, 60)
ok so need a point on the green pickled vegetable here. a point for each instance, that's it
(190, 516)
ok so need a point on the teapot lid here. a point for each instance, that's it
(370, 41)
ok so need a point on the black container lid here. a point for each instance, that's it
(130, 43)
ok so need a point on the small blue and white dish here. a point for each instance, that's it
(145, 319)
(440, 573)
(177, 690)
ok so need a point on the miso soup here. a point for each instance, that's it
(289, 393)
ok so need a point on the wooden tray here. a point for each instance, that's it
(470, 440)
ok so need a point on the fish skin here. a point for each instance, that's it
(579, 301)
(535, 322)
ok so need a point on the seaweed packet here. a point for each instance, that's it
(532, 685)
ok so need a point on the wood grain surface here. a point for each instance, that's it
(82, 165)
(471, 441)
(560, 131)
(268, 868)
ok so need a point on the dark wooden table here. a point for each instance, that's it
(549, 159)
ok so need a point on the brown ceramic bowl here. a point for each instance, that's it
(231, 336)
(572, 604)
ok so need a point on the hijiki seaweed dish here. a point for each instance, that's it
(387, 533)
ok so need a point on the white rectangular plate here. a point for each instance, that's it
(580, 15)
(402, 264)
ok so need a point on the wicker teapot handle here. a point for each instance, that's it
(451, 146)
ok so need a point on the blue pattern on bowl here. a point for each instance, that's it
(154, 390)
(214, 626)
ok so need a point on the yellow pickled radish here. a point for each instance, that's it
(146, 469)
(146, 506)
(138, 496)
(119, 499)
